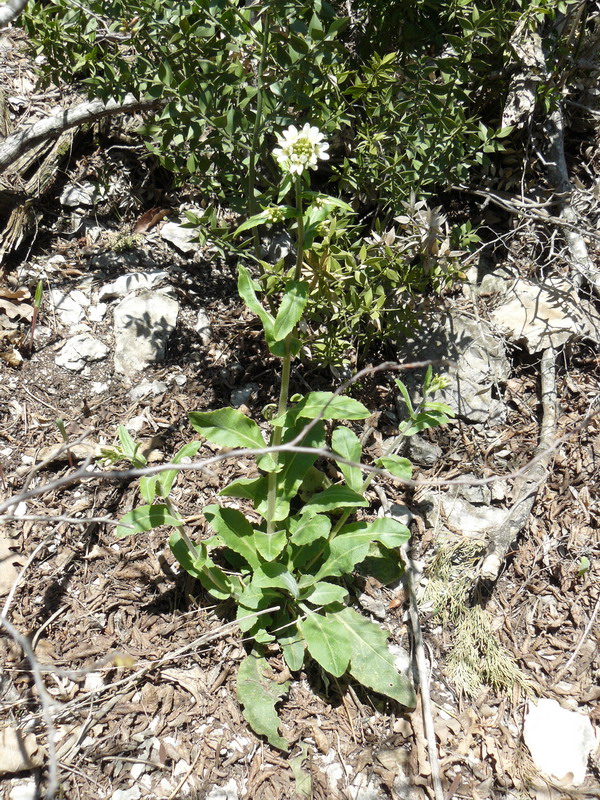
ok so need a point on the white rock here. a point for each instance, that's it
(479, 363)
(69, 307)
(133, 793)
(203, 326)
(130, 282)
(544, 315)
(146, 387)
(474, 521)
(559, 741)
(142, 324)
(79, 351)
(182, 238)
(81, 194)
(227, 792)
(23, 791)
(97, 313)
(135, 424)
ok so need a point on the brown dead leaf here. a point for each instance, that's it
(149, 219)
(19, 751)
(14, 294)
(10, 564)
(11, 303)
(12, 357)
(190, 680)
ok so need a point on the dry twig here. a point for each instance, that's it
(528, 485)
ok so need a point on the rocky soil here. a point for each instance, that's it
(139, 325)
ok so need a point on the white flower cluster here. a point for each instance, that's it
(300, 149)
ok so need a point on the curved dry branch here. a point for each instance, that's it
(14, 146)
(10, 11)
(527, 487)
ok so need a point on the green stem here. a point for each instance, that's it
(300, 246)
(252, 205)
(285, 370)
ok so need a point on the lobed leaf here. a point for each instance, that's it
(258, 692)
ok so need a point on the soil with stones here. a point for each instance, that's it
(142, 687)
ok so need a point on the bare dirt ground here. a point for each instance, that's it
(162, 721)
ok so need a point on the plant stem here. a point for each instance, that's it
(285, 370)
(300, 246)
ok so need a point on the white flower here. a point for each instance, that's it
(300, 149)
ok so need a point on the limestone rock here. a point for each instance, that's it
(560, 741)
(479, 363)
(546, 315)
(131, 282)
(143, 323)
(183, 239)
(78, 351)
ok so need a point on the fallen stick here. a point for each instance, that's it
(20, 142)
(528, 485)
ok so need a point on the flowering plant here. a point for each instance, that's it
(285, 550)
(299, 149)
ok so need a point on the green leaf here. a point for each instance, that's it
(258, 693)
(235, 531)
(406, 396)
(145, 518)
(230, 428)
(275, 576)
(252, 222)
(332, 498)
(327, 643)
(382, 564)
(255, 489)
(247, 292)
(330, 406)
(371, 663)
(346, 443)
(327, 200)
(323, 593)
(294, 466)
(200, 566)
(398, 466)
(182, 553)
(255, 598)
(161, 484)
(130, 448)
(293, 647)
(227, 427)
(292, 307)
(352, 543)
(270, 545)
(307, 529)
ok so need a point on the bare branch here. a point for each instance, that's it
(46, 702)
(14, 146)
(10, 11)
